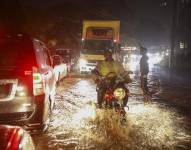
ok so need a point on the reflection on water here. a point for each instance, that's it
(77, 124)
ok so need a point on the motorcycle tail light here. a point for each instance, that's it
(108, 97)
(119, 93)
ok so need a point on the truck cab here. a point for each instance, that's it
(98, 36)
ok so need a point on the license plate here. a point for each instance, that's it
(8, 81)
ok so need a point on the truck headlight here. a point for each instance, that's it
(119, 93)
(83, 62)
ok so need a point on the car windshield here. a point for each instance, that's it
(97, 44)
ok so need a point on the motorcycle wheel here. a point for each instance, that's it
(125, 100)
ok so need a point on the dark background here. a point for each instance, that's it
(59, 22)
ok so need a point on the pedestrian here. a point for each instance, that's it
(144, 70)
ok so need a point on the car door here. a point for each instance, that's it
(50, 76)
(45, 67)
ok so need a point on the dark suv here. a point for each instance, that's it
(27, 82)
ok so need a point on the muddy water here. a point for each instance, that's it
(77, 124)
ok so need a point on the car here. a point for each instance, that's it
(15, 138)
(60, 68)
(68, 63)
(66, 55)
(27, 82)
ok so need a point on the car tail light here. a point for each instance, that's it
(38, 84)
(19, 140)
(15, 139)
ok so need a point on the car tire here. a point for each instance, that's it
(45, 123)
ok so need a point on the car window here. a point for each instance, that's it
(47, 58)
(39, 54)
(7, 53)
(15, 52)
(57, 60)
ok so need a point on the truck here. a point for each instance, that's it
(97, 37)
(67, 57)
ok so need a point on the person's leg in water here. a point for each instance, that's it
(100, 95)
(145, 89)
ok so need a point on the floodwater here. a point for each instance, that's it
(76, 123)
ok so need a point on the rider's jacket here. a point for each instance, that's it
(106, 67)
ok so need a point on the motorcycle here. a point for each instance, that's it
(115, 92)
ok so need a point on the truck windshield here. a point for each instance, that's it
(97, 44)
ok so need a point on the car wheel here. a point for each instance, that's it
(46, 118)
(47, 122)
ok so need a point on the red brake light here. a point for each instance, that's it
(27, 72)
(15, 139)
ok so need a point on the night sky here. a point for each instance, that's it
(144, 21)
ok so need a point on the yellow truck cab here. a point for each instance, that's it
(97, 37)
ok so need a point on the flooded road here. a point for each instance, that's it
(76, 124)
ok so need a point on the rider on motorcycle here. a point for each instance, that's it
(104, 68)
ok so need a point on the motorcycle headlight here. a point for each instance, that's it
(119, 93)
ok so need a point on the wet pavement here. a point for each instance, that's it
(77, 124)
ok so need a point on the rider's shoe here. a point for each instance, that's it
(123, 121)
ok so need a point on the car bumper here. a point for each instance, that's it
(23, 112)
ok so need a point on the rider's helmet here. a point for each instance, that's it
(108, 54)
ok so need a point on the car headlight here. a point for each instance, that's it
(119, 93)
(83, 62)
